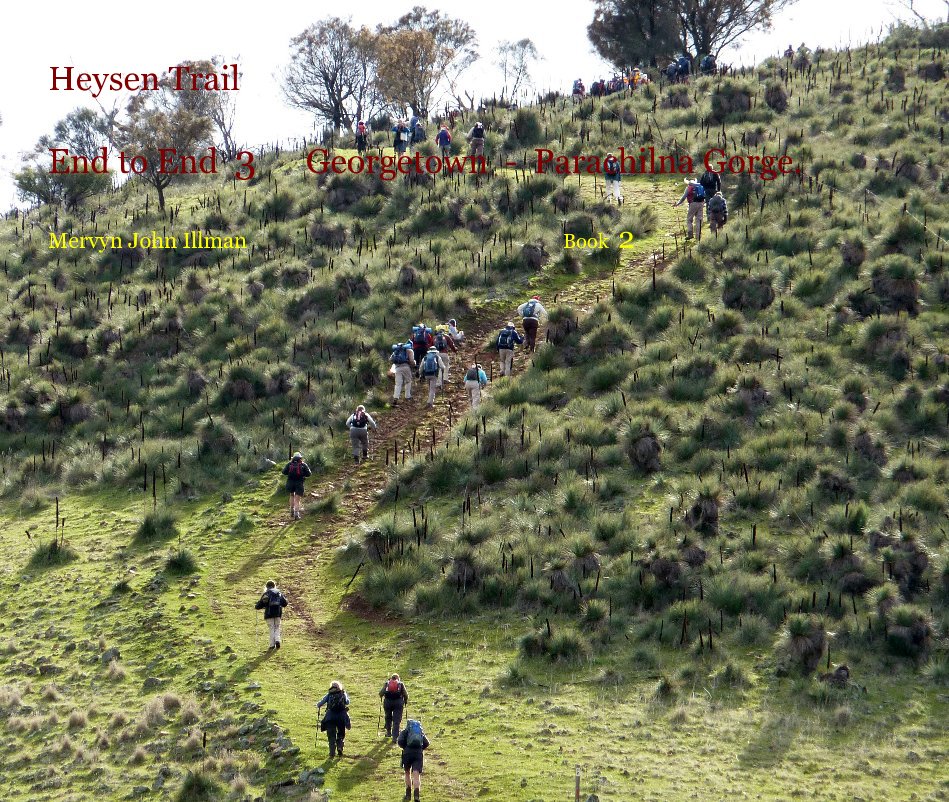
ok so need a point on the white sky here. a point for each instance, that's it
(131, 37)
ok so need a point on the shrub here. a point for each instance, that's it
(198, 787)
(802, 641)
(908, 631)
(181, 563)
(52, 554)
(730, 98)
(776, 97)
(157, 525)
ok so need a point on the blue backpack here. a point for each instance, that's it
(529, 309)
(400, 354)
(430, 366)
(698, 193)
(414, 735)
(506, 339)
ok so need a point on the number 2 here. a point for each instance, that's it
(626, 239)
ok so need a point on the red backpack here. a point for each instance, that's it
(393, 686)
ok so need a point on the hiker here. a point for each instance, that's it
(672, 71)
(418, 132)
(506, 341)
(336, 721)
(708, 65)
(362, 137)
(530, 313)
(444, 343)
(413, 742)
(476, 138)
(789, 53)
(401, 139)
(422, 340)
(685, 67)
(711, 182)
(457, 336)
(717, 210)
(413, 121)
(613, 172)
(695, 195)
(359, 423)
(403, 364)
(272, 603)
(475, 381)
(394, 699)
(296, 470)
(431, 369)
(443, 140)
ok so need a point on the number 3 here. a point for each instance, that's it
(626, 239)
(248, 165)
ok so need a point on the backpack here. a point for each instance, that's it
(529, 309)
(440, 343)
(361, 129)
(698, 193)
(336, 701)
(716, 204)
(414, 736)
(477, 132)
(273, 601)
(506, 339)
(472, 375)
(430, 366)
(295, 471)
(684, 65)
(445, 138)
(672, 70)
(400, 355)
(360, 420)
(418, 337)
(419, 132)
(392, 686)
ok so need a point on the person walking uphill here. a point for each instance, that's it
(475, 381)
(443, 140)
(403, 361)
(613, 172)
(432, 368)
(506, 341)
(413, 742)
(359, 423)
(530, 313)
(296, 470)
(695, 196)
(422, 340)
(272, 603)
(401, 139)
(336, 721)
(444, 343)
(394, 699)
(476, 138)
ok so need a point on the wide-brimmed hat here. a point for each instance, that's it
(297, 455)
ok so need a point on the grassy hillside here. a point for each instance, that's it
(724, 473)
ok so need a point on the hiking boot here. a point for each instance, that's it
(278, 645)
(408, 794)
(356, 460)
(416, 795)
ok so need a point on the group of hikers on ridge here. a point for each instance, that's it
(409, 133)
(393, 698)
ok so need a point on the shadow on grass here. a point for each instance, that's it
(770, 744)
(363, 767)
(245, 669)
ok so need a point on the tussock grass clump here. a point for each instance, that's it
(52, 554)
(77, 720)
(157, 526)
(802, 642)
(909, 631)
(730, 98)
(181, 563)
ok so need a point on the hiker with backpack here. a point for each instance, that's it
(413, 742)
(431, 370)
(422, 340)
(403, 367)
(394, 699)
(296, 470)
(685, 67)
(401, 139)
(272, 603)
(475, 381)
(476, 139)
(362, 137)
(359, 423)
(717, 209)
(418, 132)
(336, 721)
(530, 313)
(444, 343)
(695, 196)
(672, 71)
(505, 343)
(443, 140)
(708, 65)
(613, 174)
(711, 182)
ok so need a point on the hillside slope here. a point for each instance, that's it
(725, 472)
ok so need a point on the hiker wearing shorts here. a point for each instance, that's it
(359, 423)
(413, 742)
(530, 313)
(296, 470)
